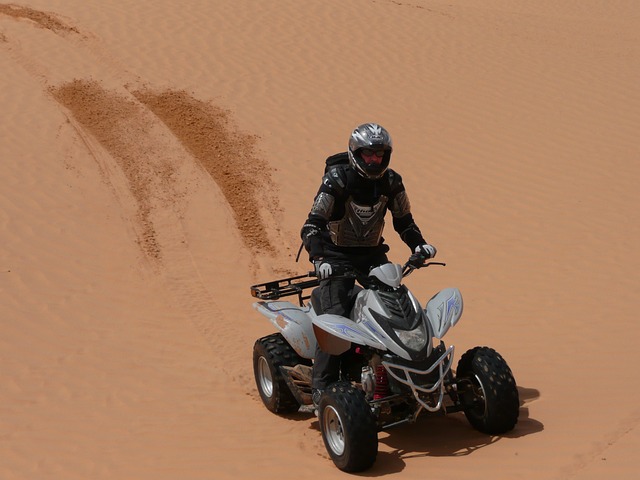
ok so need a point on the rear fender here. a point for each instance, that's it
(444, 310)
(293, 322)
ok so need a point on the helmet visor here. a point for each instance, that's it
(372, 158)
(373, 162)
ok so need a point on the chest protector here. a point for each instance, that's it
(361, 225)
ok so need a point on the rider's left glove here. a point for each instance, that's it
(426, 251)
(323, 269)
(421, 253)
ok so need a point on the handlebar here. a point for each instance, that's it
(297, 285)
(408, 268)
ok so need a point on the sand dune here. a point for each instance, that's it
(158, 158)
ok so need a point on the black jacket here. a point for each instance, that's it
(348, 214)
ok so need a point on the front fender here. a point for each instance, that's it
(444, 310)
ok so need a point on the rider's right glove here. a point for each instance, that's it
(323, 269)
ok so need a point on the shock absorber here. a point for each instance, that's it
(382, 383)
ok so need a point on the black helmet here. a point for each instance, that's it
(374, 137)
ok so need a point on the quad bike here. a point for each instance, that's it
(398, 366)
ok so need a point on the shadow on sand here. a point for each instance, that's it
(440, 436)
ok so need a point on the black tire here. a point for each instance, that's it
(348, 427)
(487, 391)
(269, 354)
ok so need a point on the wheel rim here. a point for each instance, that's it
(333, 431)
(480, 397)
(264, 373)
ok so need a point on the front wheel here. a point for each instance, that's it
(348, 427)
(487, 391)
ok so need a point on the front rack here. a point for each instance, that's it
(285, 288)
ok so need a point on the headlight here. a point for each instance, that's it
(415, 339)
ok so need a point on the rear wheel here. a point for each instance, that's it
(269, 354)
(487, 391)
(348, 427)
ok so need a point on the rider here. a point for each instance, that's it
(344, 229)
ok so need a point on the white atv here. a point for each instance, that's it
(398, 367)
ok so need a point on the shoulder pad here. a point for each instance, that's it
(336, 177)
(395, 180)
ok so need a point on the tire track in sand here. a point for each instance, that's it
(202, 128)
(156, 150)
(159, 175)
(227, 155)
(39, 18)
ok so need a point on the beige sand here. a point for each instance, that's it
(157, 158)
